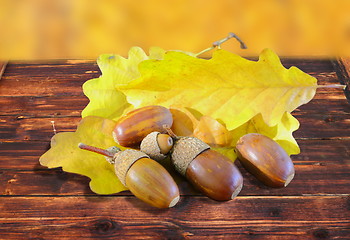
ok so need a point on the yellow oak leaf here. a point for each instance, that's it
(212, 132)
(64, 152)
(226, 87)
(184, 122)
(105, 100)
(226, 151)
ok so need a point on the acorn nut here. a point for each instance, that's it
(157, 145)
(209, 171)
(265, 159)
(145, 178)
(137, 124)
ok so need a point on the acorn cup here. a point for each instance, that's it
(157, 145)
(145, 178)
(265, 159)
(137, 124)
(207, 170)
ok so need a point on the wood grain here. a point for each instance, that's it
(334, 102)
(309, 179)
(36, 79)
(313, 152)
(24, 128)
(64, 79)
(315, 217)
(41, 203)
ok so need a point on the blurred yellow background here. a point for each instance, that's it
(71, 29)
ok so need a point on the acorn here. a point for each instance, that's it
(146, 179)
(265, 159)
(157, 145)
(137, 124)
(207, 170)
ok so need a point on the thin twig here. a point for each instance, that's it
(53, 127)
(221, 41)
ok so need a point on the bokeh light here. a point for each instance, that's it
(72, 29)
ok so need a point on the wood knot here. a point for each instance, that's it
(275, 212)
(20, 117)
(105, 226)
(328, 120)
(321, 233)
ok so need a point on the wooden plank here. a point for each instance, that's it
(65, 78)
(17, 128)
(42, 106)
(12, 129)
(323, 167)
(60, 78)
(20, 128)
(66, 106)
(309, 65)
(323, 126)
(316, 217)
(25, 155)
(306, 65)
(309, 179)
(329, 105)
(40, 203)
(71, 85)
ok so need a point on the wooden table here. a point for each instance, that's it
(40, 203)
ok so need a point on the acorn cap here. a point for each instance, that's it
(123, 161)
(185, 150)
(150, 146)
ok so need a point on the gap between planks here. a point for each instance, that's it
(342, 68)
(2, 68)
(325, 195)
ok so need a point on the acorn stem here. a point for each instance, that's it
(96, 150)
(170, 132)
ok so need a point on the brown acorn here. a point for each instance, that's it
(157, 145)
(145, 178)
(265, 159)
(209, 171)
(137, 124)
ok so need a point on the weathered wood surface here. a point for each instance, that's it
(124, 217)
(316, 164)
(342, 66)
(40, 203)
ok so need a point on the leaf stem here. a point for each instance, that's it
(332, 86)
(221, 41)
